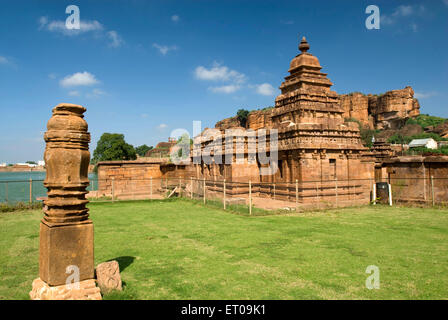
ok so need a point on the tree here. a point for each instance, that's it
(112, 146)
(366, 133)
(141, 150)
(183, 146)
(242, 115)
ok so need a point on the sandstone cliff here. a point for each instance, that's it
(259, 119)
(255, 120)
(227, 123)
(390, 110)
(356, 105)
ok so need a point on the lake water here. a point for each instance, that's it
(15, 186)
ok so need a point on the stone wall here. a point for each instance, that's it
(390, 110)
(134, 177)
(410, 177)
(129, 177)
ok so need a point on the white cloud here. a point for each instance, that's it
(52, 76)
(287, 22)
(164, 49)
(95, 93)
(414, 27)
(445, 2)
(424, 95)
(400, 12)
(79, 79)
(144, 115)
(219, 73)
(3, 60)
(162, 126)
(93, 26)
(42, 22)
(403, 11)
(175, 18)
(59, 26)
(116, 40)
(265, 89)
(231, 88)
(73, 93)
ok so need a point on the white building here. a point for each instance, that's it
(3, 164)
(26, 164)
(429, 143)
(41, 163)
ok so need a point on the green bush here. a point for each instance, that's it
(242, 115)
(19, 206)
(425, 120)
(426, 151)
(366, 133)
(400, 139)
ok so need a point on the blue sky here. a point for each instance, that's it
(144, 68)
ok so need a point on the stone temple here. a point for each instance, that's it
(316, 146)
(321, 157)
(319, 153)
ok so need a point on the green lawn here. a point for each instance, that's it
(179, 249)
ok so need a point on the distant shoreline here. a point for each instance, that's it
(22, 169)
(29, 169)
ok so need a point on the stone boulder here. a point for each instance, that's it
(442, 129)
(410, 130)
(108, 276)
(393, 108)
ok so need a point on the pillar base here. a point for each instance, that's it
(84, 290)
(65, 246)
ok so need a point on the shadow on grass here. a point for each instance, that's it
(124, 261)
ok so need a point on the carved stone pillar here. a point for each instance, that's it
(66, 232)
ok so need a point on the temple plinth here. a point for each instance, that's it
(66, 257)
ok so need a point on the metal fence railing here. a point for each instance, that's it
(249, 194)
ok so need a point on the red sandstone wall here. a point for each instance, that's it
(129, 178)
(410, 178)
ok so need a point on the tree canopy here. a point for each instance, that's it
(112, 146)
(242, 115)
(141, 150)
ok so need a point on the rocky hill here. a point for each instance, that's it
(256, 119)
(394, 115)
(390, 110)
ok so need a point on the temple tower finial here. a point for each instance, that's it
(304, 46)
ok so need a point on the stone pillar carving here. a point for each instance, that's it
(66, 232)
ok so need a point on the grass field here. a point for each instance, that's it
(179, 249)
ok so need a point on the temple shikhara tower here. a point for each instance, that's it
(315, 143)
(316, 147)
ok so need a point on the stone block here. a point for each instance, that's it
(63, 246)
